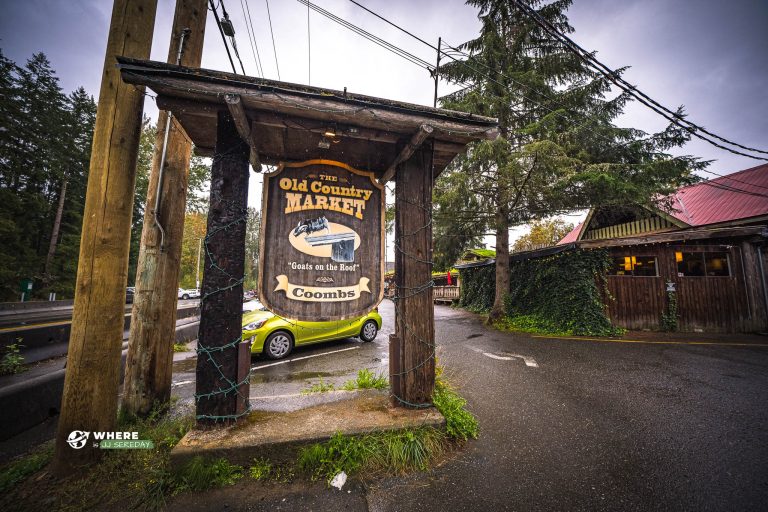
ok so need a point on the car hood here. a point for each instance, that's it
(253, 316)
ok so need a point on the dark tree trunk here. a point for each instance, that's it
(502, 265)
(56, 227)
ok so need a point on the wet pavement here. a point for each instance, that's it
(565, 424)
(333, 362)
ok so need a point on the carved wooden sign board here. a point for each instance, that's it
(322, 242)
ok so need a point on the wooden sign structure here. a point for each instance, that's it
(322, 241)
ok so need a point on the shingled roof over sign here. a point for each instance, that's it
(294, 122)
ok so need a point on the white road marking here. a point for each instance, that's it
(529, 361)
(494, 356)
(303, 357)
(182, 383)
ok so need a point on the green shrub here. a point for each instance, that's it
(12, 361)
(366, 379)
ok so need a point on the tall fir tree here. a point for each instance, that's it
(558, 149)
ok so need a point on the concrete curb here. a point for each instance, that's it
(27, 403)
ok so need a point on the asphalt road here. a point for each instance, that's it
(597, 426)
(568, 425)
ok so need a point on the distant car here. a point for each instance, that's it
(189, 294)
(129, 293)
(276, 337)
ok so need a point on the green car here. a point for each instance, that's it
(275, 337)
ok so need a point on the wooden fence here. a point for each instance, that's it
(445, 293)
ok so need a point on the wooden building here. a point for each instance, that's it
(707, 253)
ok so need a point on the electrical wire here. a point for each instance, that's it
(608, 76)
(252, 38)
(309, 52)
(379, 41)
(272, 32)
(613, 76)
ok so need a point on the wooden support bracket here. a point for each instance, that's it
(417, 140)
(235, 107)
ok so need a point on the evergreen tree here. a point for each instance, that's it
(558, 149)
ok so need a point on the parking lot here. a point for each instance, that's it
(652, 423)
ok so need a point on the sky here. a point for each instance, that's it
(709, 55)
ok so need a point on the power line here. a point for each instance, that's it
(272, 32)
(486, 76)
(309, 52)
(612, 75)
(377, 40)
(252, 38)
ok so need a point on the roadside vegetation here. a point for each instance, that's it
(144, 479)
(12, 360)
(365, 379)
(180, 347)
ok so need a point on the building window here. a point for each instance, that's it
(634, 266)
(701, 264)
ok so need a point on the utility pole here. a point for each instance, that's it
(149, 363)
(437, 68)
(92, 378)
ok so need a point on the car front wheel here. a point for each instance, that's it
(369, 331)
(278, 345)
(185, 296)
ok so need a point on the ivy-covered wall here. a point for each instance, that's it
(562, 293)
(478, 287)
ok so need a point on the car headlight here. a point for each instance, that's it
(255, 325)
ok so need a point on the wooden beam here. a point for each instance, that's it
(416, 141)
(677, 236)
(221, 303)
(412, 357)
(327, 109)
(235, 106)
(92, 379)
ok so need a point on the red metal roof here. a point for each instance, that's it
(571, 237)
(736, 196)
(740, 195)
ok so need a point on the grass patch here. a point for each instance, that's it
(180, 347)
(263, 470)
(366, 379)
(122, 479)
(459, 422)
(200, 474)
(535, 324)
(390, 452)
(319, 387)
(19, 469)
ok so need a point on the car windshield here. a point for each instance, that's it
(253, 305)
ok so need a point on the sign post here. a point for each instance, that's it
(322, 243)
